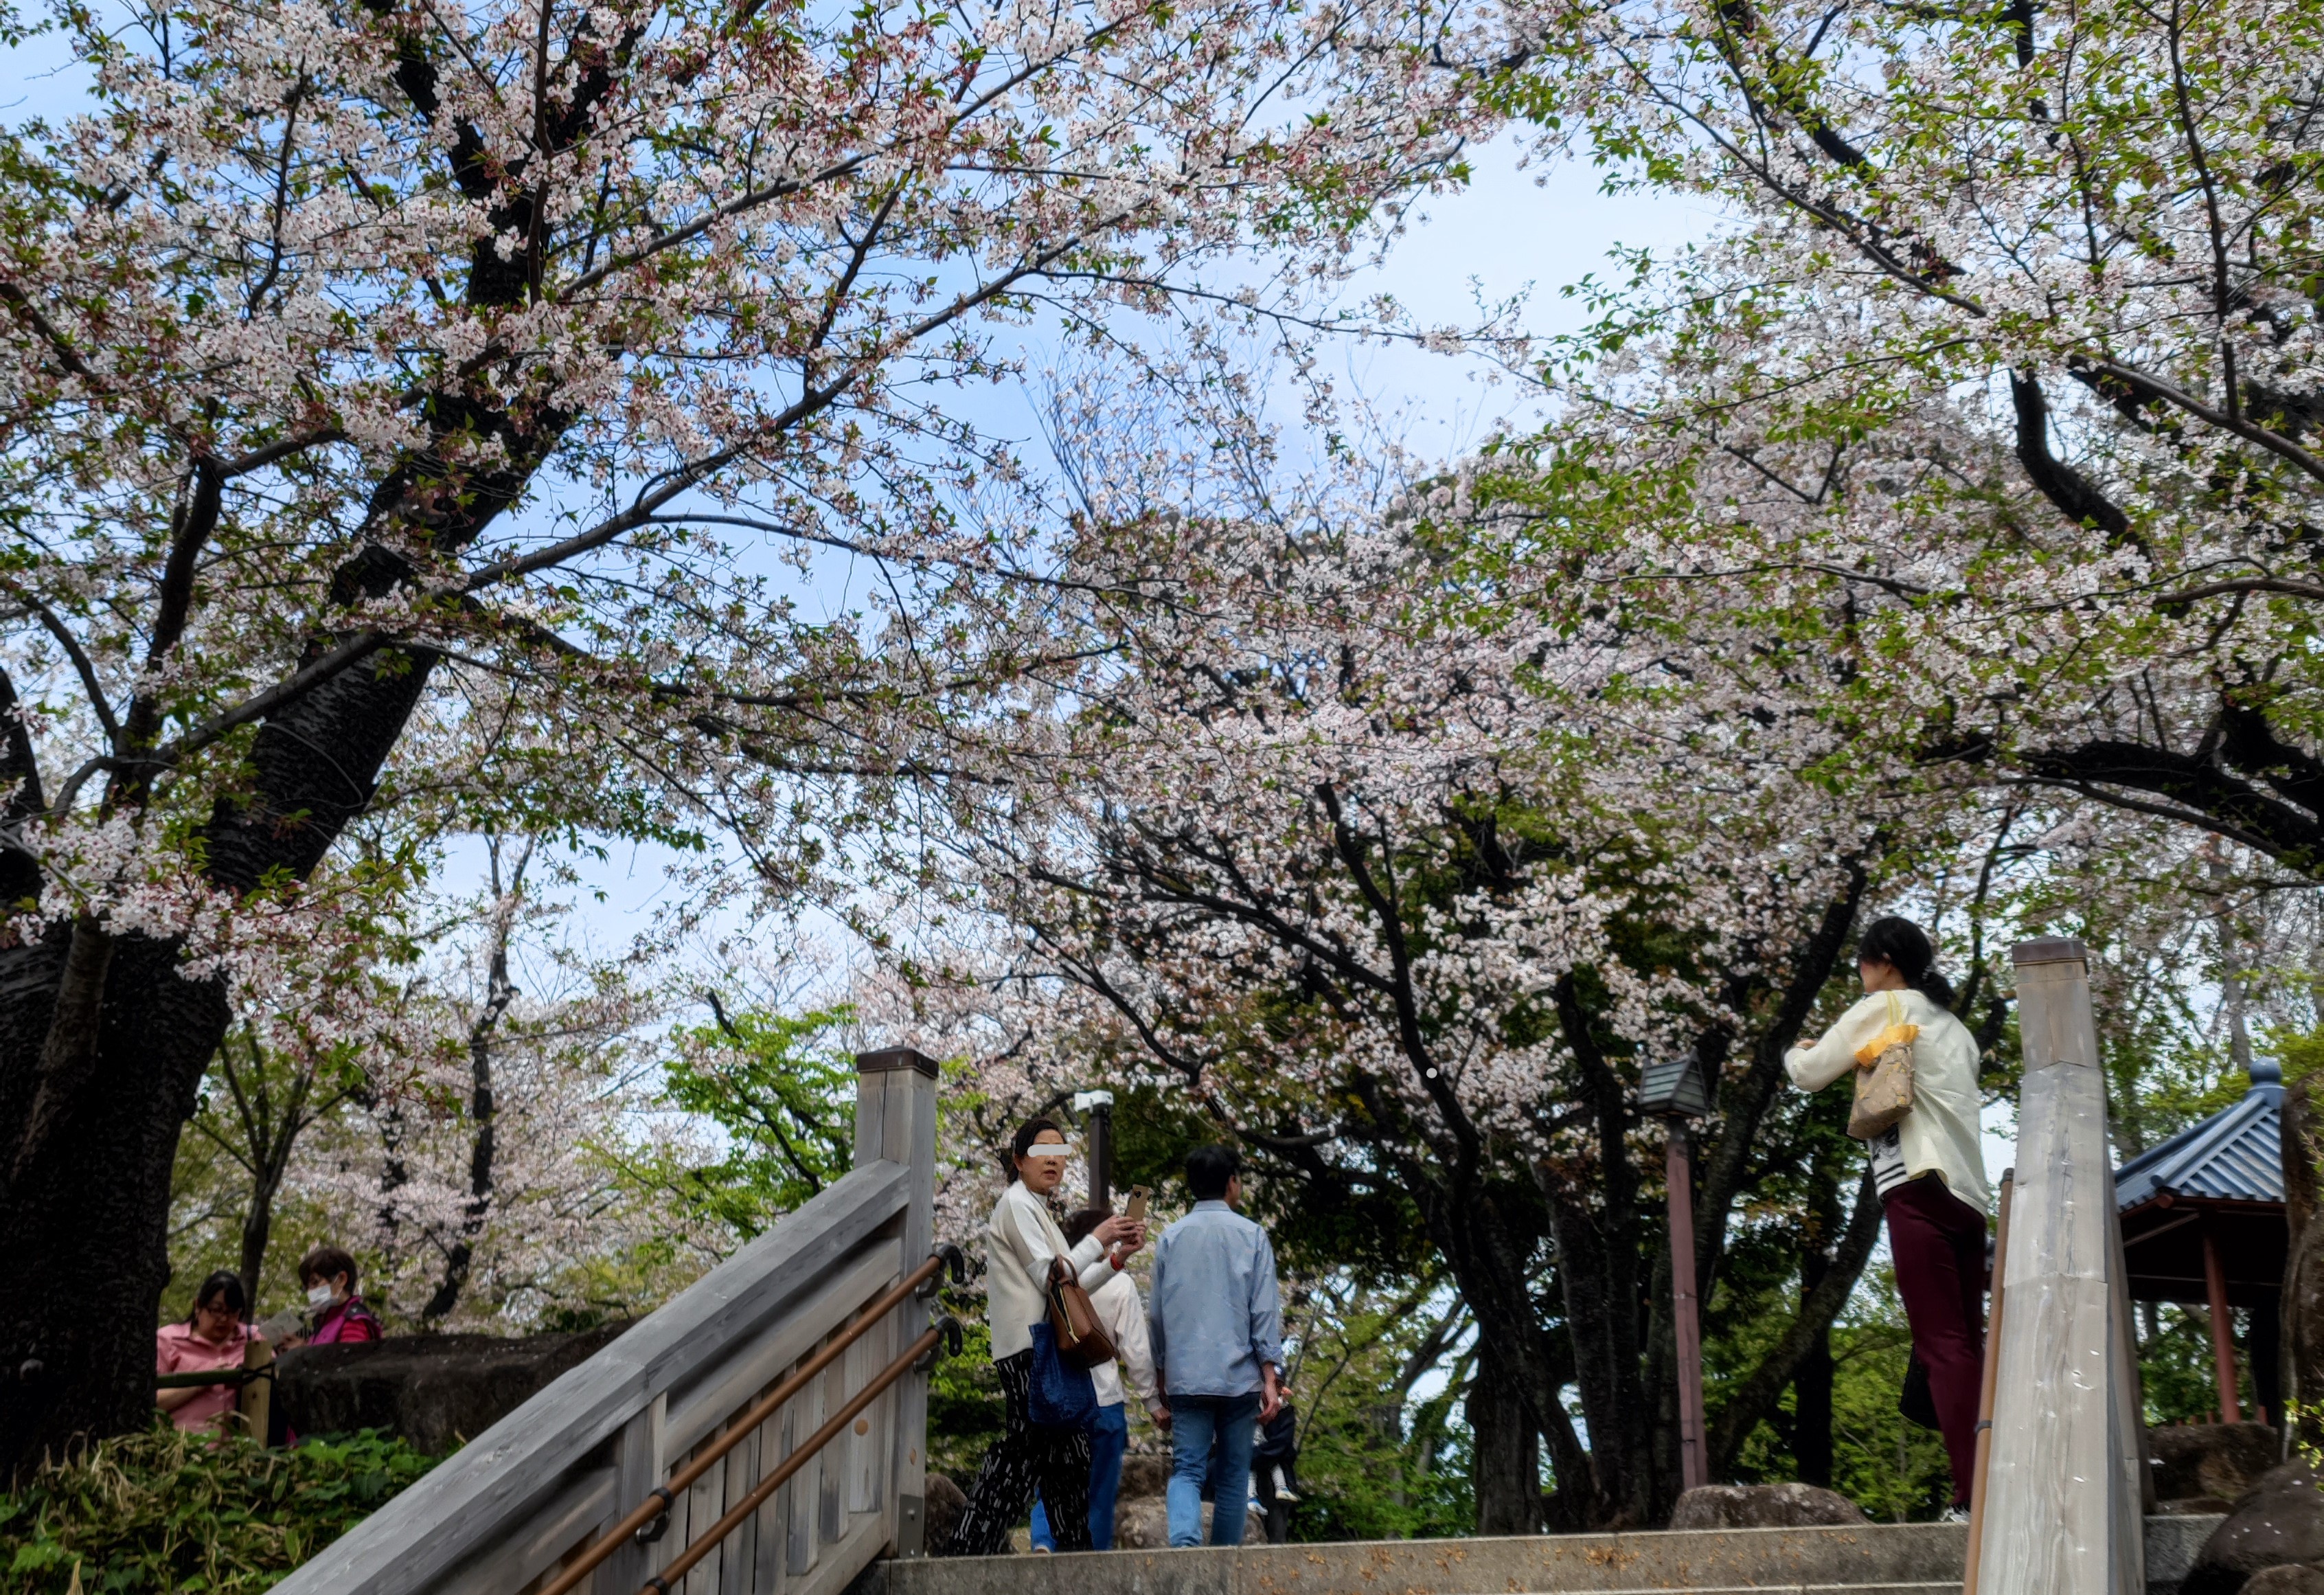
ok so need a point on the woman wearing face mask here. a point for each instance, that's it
(328, 1275)
(1928, 1168)
(213, 1338)
(1022, 1239)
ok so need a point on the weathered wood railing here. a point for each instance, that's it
(547, 1487)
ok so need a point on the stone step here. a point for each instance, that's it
(1869, 1559)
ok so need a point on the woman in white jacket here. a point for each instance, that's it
(1021, 1241)
(1928, 1169)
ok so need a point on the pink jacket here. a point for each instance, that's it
(177, 1349)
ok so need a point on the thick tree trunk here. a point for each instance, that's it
(84, 1223)
(1606, 1308)
(1487, 1237)
(1506, 1459)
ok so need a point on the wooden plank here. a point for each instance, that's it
(856, 1490)
(775, 1541)
(909, 1129)
(470, 1503)
(831, 1464)
(545, 1542)
(705, 1503)
(740, 1550)
(808, 1413)
(674, 1538)
(725, 1387)
(855, 1548)
(639, 1462)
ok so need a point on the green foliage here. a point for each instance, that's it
(966, 1411)
(2177, 1377)
(1894, 1470)
(168, 1512)
(1373, 1464)
(784, 1096)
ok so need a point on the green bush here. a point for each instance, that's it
(166, 1511)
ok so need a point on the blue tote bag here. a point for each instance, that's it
(1062, 1394)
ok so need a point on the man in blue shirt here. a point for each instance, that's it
(1218, 1345)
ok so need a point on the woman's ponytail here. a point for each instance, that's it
(1904, 946)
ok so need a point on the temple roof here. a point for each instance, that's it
(2236, 1155)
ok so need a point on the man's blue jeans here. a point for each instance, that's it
(1196, 1424)
(1109, 1438)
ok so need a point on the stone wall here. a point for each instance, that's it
(437, 1392)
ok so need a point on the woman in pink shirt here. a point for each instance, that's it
(213, 1337)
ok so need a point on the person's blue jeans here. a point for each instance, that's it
(1109, 1438)
(1197, 1423)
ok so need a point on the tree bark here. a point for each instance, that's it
(257, 1228)
(84, 1222)
(1812, 1448)
(1505, 1467)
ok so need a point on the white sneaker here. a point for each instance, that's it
(1283, 1490)
(1953, 1515)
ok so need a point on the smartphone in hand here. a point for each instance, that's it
(1136, 1210)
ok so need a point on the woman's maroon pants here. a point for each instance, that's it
(1938, 1242)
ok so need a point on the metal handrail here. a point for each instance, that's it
(947, 1329)
(655, 1508)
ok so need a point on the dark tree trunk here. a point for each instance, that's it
(1506, 1463)
(257, 1228)
(1811, 1390)
(84, 1222)
(1610, 1335)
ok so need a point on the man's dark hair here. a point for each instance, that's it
(1082, 1220)
(325, 1264)
(1208, 1170)
(226, 1284)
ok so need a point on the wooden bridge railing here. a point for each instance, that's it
(522, 1507)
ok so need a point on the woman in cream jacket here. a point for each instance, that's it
(1928, 1169)
(1021, 1241)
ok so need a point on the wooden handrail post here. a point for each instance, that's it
(1985, 1388)
(896, 1120)
(2061, 1512)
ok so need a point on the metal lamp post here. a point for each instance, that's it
(1676, 1091)
(1097, 1107)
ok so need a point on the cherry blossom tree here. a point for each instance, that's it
(1377, 833)
(412, 403)
(2002, 377)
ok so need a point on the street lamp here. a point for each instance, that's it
(1676, 1091)
(1097, 1107)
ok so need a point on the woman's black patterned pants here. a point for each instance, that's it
(1054, 1459)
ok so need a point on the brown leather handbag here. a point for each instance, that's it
(1082, 1340)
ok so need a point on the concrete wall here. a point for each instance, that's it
(1908, 1557)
